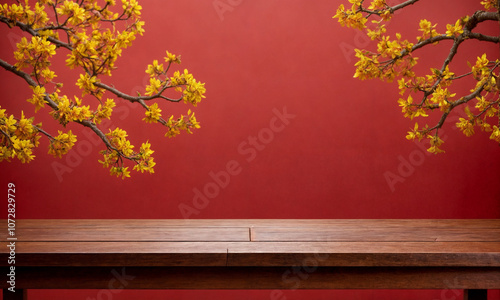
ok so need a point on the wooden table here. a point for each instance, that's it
(254, 254)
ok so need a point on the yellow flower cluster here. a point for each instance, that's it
(62, 143)
(182, 123)
(489, 4)
(18, 137)
(145, 161)
(495, 135)
(428, 30)
(36, 54)
(436, 143)
(456, 29)
(86, 84)
(38, 98)
(411, 110)
(354, 18)
(68, 111)
(350, 18)
(94, 35)
(486, 109)
(172, 58)
(153, 114)
(122, 149)
(394, 59)
(442, 97)
(194, 91)
(24, 13)
(76, 14)
(104, 111)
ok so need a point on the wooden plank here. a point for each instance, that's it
(254, 254)
(255, 247)
(364, 247)
(117, 254)
(117, 247)
(257, 278)
(374, 234)
(123, 259)
(366, 254)
(193, 234)
(282, 230)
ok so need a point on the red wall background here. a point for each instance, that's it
(329, 158)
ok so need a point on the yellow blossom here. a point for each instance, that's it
(454, 30)
(22, 149)
(38, 98)
(155, 68)
(86, 83)
(377, 4)
(153, 87)
(62, 143)
(436, 143)
(104, 111)
(153, 114)
(495, 135)
(24, 128)
(466, 126)
(428, 30)
(489, 4)
(172, 58)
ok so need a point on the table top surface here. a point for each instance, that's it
(255, 242)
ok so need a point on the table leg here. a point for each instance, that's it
(475, 294)
(19, 294)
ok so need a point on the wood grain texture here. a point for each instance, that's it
(132, 234)
(230, 254)
(368, 254)
(340, 254)
(256, 278)
(376, 233)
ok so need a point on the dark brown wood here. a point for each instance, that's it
(342, 254)
(476, 295)
(19, 294)
(119, 254)
(365, 254)
(256, 278)
(257, 254)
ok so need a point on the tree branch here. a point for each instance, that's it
(28, 79)
(137, 98)
(27, 28)
(54, 106)
(403, 5)
(485, 38)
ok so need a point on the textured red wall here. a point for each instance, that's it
(286, 133)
